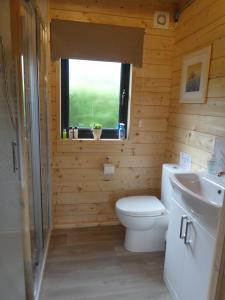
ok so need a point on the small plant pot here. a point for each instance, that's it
(97, 133)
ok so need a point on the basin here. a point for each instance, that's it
(202, 193)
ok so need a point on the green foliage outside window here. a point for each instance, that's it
(94, 93)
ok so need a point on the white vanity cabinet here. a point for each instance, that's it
(175, 251)
(189, 256)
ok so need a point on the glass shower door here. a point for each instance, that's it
(43, 121)
(32, 134)
(12, 277)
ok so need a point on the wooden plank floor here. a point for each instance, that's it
(91, 264)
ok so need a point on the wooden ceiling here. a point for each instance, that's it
(183, 3)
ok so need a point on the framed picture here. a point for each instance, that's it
(194, 78)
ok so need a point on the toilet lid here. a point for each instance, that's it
(140, 206)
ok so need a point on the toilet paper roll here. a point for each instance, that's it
(109, 169)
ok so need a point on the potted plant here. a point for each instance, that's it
(96, 130)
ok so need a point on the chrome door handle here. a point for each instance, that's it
(186, 240)
(14, 156)
(183, 218)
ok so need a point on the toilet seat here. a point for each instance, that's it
(148, 206)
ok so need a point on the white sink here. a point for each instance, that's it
(202, 193)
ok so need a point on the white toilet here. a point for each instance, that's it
(146, 217)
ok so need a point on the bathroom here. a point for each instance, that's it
(86, 218)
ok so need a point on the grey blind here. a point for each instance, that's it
(90, 41)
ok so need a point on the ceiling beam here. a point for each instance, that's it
(182, 5)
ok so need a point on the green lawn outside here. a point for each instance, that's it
(94, 89)
(90, 105)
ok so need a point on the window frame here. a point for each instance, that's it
(85, 133)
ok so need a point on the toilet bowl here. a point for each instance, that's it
(146, 222)
(146, 218)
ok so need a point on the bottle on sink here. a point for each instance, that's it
(212, 165)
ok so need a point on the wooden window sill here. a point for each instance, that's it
(89, 140)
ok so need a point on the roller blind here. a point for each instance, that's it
(90, 41)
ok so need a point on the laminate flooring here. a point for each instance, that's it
(91, 264)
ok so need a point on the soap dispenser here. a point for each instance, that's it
(212, 165)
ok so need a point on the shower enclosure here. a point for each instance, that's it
(35, 132)
(24, 153)
(12, 284)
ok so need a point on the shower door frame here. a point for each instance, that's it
(30, 83)
(42, 44)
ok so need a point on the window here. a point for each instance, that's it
(94, 92)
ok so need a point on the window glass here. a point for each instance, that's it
(94, 93)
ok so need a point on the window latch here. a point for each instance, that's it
(123, 97)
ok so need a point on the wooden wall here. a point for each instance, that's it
(81, 196)
(193, 127)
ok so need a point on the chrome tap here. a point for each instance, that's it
(220, 174)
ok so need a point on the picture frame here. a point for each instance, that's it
(194, 77)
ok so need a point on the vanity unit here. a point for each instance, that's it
(192, 234)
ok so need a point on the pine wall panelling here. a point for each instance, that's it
(81, 196)
(193, 127)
